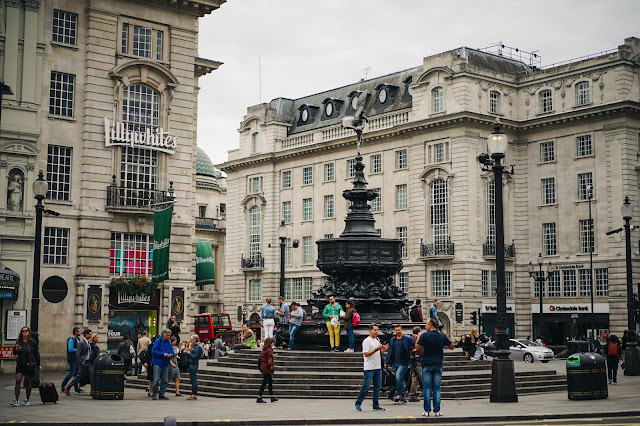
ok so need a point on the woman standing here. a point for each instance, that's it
(266, 368)
(174, 373)
(348, 324)
(267, 318)
(28, 360)
(614, 355)
(126, 351)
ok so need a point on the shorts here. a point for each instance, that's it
(174, 373)
(25, 371)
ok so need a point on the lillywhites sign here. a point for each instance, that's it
(118, 134)
(142, 299)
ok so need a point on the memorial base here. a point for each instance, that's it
(503, 381)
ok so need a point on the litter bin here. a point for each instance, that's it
(577, 346)
(108, 377)
(587, 376)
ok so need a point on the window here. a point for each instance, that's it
(547, 152)
(602, 282)
(582, 93)
(55, 246)
(437, 100)
(569, 283)
(403, 281)
(438, 211)
(585, 185)
(307, 252)
(287, 252)
(202, 211)
(376, 203)
(549, 246)
(286, 211)
(490, 283)
(329, 172)
(440, 283)
(546, 101)
(401, 197)
(586, 236)
(58, 172)
(255, 233)
(61, 94)
(548, 191)
(401, 234)
(255, 290)
(328, 236)
(142, 41)
(328, 206)
(401, 159)
(131, 254)
(138, 171)
(307, 209)
(223, 210)
(65, 25)
(584, 280)
(307, 176)
(298, 288)
(440, 153)
(508, 276)
(584, 145)
(553, 284)
(286, 179)
(255, 185)
(494, 102)
(376, 163)
(351, 168)
(491, 212)
(255, 142)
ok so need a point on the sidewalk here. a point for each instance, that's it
(138, 408)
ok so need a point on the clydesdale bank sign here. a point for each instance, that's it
(118, 134)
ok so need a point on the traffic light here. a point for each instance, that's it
(481, 320)
(474, 318)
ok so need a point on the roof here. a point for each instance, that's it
(204, 166)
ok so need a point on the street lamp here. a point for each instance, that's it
(540, 279)
(40, 189)
(631, 353)
(593, 315)
(503, 383)
(282, 234)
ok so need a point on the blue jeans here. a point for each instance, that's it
(193, 377)
(376, 375)
(160, 378)
(73, 369)
(400, 370)
(431, 379)
(352, 337)
(293, 329)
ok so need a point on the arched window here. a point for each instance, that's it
(438, 212)
(491, 213)
(494, 102)
(437, 100)
(254, 233)
(546, 100)
(583, 96)
(255, 142)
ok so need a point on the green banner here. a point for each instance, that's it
(204, 264)
(161, 237)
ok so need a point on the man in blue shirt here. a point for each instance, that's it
(433, 343)
(283, 313)
(72, 347)
(433, 313)
(400, 348)
(161, 354)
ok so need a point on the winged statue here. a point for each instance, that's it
(357, 122)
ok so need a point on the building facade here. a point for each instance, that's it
(115, 95)
(570, 126)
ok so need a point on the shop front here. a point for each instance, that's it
(124, 311)
(566, 321)
(489, 319)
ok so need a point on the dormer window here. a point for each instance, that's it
(307, 114)
(304, 115)
(331, 109)
(328, 109)
(382, 95)
(386, 95)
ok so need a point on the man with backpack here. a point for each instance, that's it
(614, 355)
(141, 348)
(72, 348)
(416, 312)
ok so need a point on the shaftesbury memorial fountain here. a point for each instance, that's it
(360, 264)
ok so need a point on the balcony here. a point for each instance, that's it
(252, 263)
(211, 224)
(489, 250)
(441, 250)
(128, 199)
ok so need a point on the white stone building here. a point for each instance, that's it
(569, 126)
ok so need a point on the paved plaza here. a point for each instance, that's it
(138, 408)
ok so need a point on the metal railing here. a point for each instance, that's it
(210, 223)
(138, 198)
(254, 262)
(437, 249)
(489, 249)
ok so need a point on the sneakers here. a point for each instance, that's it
(261, 401)
(178, 394)
(357, 407)
(609, 381)
(154, 396)
(192, 398)
(26, 403)
(162, 397)
(438, 414)
(273, 399)
(14, 403)
(348, 350)
(425, 414)
(378, 408)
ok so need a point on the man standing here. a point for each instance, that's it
(267, 318)
(331, 314)
(83, 357)
(372, 368)
(247, 339)
(433, 313)
(432, 342)
(195, 353)
(297, 316)
(400, 348)
(174, 326)
(283, 314)
(161, 353)
(143, 345)
(416, 312)
(72, 347)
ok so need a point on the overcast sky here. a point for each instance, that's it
(308, 46)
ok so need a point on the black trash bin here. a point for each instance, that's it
(587, 376)
(577, 346)
(108, 377)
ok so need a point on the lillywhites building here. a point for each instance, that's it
(104, 102)
(570, 126)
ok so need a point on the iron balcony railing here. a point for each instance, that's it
(210, 223)
(489, 249)
(138, 198)
(253, 262)
(437, 249)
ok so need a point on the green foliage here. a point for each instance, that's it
(133, 285)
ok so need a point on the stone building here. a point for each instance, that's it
(111, 109)
(570, 126)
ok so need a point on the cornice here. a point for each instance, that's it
(189, 7)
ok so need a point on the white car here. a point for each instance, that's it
(528, 351)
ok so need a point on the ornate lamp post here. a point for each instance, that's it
(540, 279)
(282, 234)
(40, 189)
(631, 354)
(503, 383)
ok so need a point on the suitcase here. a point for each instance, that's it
(48, 392)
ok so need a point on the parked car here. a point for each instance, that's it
(528, 351)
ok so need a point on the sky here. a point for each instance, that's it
(295, 48)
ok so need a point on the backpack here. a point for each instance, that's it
(355, 320)
(143, 355)
(612, 349)
(413, 314)
(71, 356)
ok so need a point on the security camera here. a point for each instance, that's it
(484, 158)
(296, 243)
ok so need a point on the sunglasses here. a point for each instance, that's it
(25, 331)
